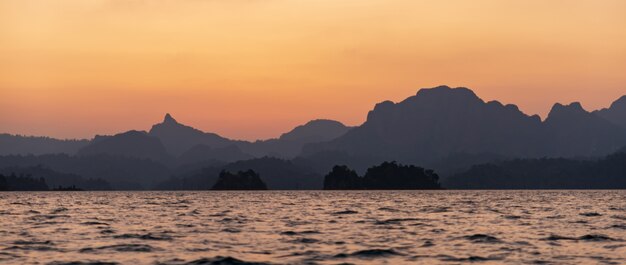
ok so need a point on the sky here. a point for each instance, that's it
(253, 69)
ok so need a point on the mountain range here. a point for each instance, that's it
(443, 121)
(442, 127)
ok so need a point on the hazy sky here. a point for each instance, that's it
(252, 69)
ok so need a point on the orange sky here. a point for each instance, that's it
(251, 69)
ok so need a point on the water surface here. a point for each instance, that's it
(314, 227)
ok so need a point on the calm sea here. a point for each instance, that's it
(314, 227)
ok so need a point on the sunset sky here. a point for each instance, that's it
(252, 69)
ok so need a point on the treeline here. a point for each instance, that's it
(386, 176)
(38, 178)
(242, 180)
(119, 173)
(545, 173)
(22, 183)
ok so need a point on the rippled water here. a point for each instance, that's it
(314, 227)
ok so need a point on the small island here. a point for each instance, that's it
(242, 180)
(386, 176)
(68, 188)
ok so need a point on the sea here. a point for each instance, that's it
(314, 227)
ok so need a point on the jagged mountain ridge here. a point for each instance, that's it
(442, 121)
(178, 138)
(434, 123)
(573, 131)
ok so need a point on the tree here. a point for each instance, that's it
(342, 178)
(3, 183)
(386, 176)
(242, 180)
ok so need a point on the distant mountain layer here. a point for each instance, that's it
(315, 131)
(442, 121)
(178, 138)
(24, 145)
(545, 173)
(131, 144)
(439, 128)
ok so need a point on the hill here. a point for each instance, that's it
(442, 121)
(133, 144)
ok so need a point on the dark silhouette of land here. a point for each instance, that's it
(443, 121)
(178, 138)
(450, 130)
(22, 183)
(69, 188)
(545, 173)
(386, 176)
(343, 178)
(56, 179)
(122, 173)
(131, 144)
(24, 145)
(242, 180)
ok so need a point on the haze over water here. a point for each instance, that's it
(314, 227)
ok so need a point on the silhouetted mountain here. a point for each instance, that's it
(442, 121)
(576, 132)
(315, 131)
(386, 176)
(56, 179)
(24, 145)
(290, 144)
(448, 129)
(242, 180)
(122, 173)
(129, 144)
(437, 122)
(545, 173)
(201, 153)
(616, 113)
(13, 182)
(179, 138)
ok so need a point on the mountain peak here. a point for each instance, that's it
(169, 119)
(559, 110)
(572, 107)
(445, 95)
(446, 90)
(316, 131)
